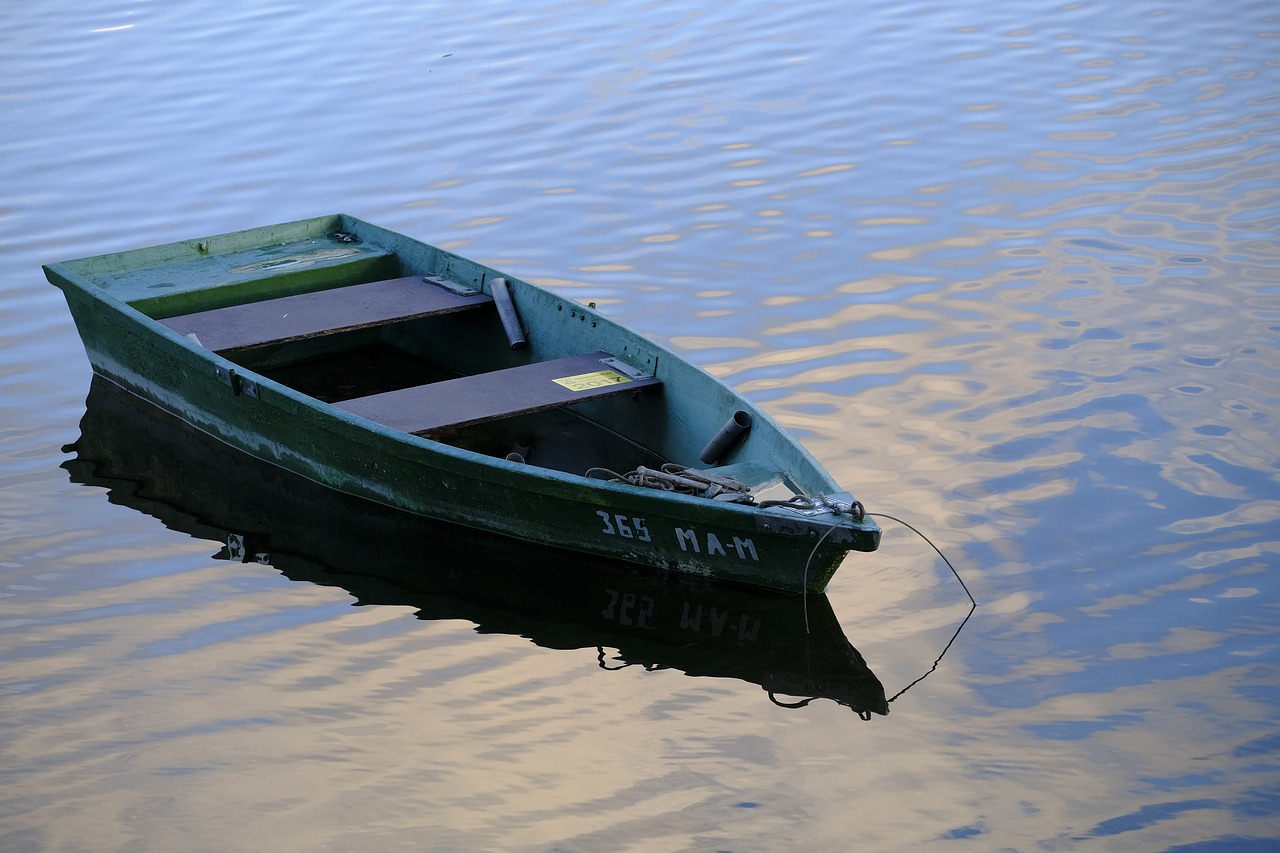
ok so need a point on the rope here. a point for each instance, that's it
(805, 588)
(677, 478)
(940, 657)
(963, 585)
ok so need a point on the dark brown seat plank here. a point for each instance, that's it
(308, 315)
(499, 394)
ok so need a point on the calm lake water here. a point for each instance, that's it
(1010, 269)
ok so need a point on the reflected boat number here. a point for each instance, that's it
(627, 609)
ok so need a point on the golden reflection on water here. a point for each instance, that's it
(1022, 297)
(311, 733)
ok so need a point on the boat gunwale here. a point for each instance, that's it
(456, 461)
(521, 473)
(85, 283)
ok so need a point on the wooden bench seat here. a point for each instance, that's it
(500, 394)
(323, 312)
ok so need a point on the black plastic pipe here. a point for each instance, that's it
(729, 435)
(506, 306)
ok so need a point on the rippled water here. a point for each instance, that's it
(1010, 269)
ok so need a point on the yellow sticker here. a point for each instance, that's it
(587, 381)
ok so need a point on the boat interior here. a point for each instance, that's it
(435, 358)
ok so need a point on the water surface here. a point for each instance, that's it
(1009, 269)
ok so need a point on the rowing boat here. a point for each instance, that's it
(401, 373)
(791, 646)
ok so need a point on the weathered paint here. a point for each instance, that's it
(114, 298)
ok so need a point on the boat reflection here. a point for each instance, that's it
(791, 645)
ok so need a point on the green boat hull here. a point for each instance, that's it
(117, 302)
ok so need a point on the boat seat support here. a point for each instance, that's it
(501, 393)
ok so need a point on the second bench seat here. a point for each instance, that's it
(501, 393)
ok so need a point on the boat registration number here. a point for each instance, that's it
(616, 524)
(689, 540)
(595, 379)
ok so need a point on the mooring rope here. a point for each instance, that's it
(805, 587)
(866, 715)
(972, 601)
(858, 513)
(940, 656)
(963, 585)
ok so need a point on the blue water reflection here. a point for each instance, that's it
(1010, 269)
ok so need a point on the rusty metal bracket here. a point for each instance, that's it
(798, 525)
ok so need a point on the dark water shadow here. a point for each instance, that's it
(790, 645)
